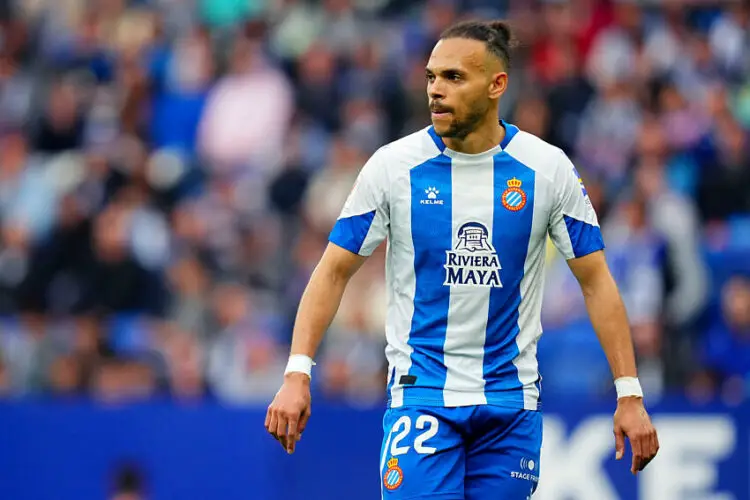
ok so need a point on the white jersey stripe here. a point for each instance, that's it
(472, 191)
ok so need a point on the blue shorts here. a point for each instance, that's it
(465, 453)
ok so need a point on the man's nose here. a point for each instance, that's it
(436, 90)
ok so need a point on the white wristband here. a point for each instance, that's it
(300, 363)
(628, 386)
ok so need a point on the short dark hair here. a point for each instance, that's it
(496, 35)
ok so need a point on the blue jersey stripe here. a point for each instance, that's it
(510, 132)
(350, 232)
(431, 229)
(511, 231)
(585, 238)
(436, 139)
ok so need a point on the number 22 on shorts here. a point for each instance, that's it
(428, 427)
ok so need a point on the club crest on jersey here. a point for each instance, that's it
(393, 476)
(514, 198)
(474, 261)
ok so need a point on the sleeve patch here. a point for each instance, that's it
(584, 237)
(351, 232)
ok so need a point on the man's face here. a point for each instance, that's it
(462, 79)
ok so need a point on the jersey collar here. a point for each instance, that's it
(510, 132)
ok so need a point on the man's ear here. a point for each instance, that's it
(498, 85)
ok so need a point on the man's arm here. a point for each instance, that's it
(360, 228)
(322, 298)
(289, 412)
(609, 319)
(606, 311)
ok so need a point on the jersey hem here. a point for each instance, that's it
(490, 401)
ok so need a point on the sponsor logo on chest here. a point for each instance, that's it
(473, 261)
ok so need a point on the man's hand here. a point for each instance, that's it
(632, 421)
(289, 411)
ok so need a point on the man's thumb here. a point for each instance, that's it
(619, 443)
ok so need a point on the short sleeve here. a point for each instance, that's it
(573, 225)
(364, 220)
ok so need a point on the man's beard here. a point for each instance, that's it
(459, 129)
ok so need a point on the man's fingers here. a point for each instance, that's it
(619, 443)
(653, 449)
(645, 445)
(297, 426)
(286, 426)
(304, 418)
(636, 465)
(636, 443)
(631, 422)
(645, 449)
(271, 425)
(287, 414)
(281, 425)
(292, 433)
(649, 449)
(268, 417)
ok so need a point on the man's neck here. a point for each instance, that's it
(485, 137)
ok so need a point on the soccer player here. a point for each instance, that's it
(466, 206)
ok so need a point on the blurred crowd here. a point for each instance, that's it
(170, 170)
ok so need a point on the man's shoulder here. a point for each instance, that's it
(537, 154)
(407, 151)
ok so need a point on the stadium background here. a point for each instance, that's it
(169, 172)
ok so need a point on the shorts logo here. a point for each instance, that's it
(527, 472)
(474, 260)
(393, 475)
(514, 198)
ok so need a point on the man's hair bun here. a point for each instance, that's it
(497, 36)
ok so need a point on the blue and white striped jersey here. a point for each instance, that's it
(466, 238)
